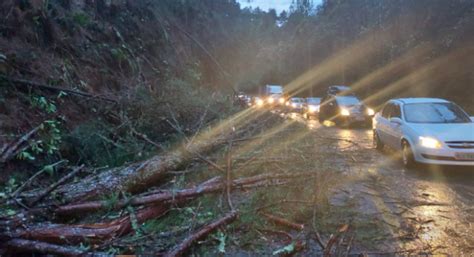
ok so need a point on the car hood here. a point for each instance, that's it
(446, 132)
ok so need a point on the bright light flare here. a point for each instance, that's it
(345, 112)
(370, 112)
(430, 142)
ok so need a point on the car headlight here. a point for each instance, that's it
(293, 105)
(345, 112)
(430, 142)
(312, 108)
(370, 112)
(282, 100)
(259, 102)
(270, 100)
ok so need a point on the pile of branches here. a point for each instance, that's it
(40, 226)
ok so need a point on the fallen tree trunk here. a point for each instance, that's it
(28, 246)
(210, 186)
(139, 177)
(184, 246)
(94, 233)
(100, 232)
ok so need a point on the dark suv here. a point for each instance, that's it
(344, 110)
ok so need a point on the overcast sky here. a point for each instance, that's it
(278, 5)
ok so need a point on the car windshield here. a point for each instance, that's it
(297, 100)
(435, 113)
(347, 100)
(313, 100)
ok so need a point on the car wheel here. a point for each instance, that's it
(321, 119)
(407, 155)
(377, 143)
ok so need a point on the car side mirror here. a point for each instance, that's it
(396, 120)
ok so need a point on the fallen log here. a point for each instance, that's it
(210, 186)
(28, 246)
(93, 233)
(184, 246)
(30, 84)
(283, 222)
(139, 177)
(100, 232)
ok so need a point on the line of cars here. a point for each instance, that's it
(423, 130)
(338, 105)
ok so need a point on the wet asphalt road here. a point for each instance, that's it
(430, 208)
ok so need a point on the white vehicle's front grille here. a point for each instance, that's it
(461, 144)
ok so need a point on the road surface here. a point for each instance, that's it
(429, 209)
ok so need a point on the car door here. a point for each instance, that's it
(383, 123)
(324, 113)
(394, 130)
(333, 108)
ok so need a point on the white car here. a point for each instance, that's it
(426, 130)
(296, 104)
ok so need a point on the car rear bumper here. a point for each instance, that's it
(355, 119)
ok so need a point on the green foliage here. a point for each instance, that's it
(119, 54)
(92, 142)
(288, 249)
(44, 104)
(221, 237)
(11, 185)
(111, 200)
(25, 155)
(81, 18)
(84, 247)
(47, 142)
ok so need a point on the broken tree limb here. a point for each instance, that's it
(333, 239)
(228, 185)
(28, 246)
(20, 188)
(29, 83)
(145, 138)
(283, 222)
(289, 237)
(210, 186)
(14, 148)
(94, 233)
(184, 246)
(56, 184)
